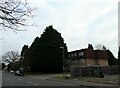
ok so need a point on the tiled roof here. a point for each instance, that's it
(90, 53)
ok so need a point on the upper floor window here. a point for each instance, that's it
(71, 55)
(81, 53)
(75, 54)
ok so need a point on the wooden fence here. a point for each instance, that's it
(77, 71)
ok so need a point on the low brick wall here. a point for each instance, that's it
(77, 71)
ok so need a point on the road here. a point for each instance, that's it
(9, 79)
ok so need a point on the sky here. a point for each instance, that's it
(80, 22)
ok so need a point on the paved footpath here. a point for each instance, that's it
(86, 84)
(76, 82)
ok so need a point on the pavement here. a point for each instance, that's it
(108, 79)
(84, 83)
(78, 82)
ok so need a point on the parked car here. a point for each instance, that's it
(11, 71)
(19, 72)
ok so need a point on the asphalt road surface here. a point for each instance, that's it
(9, 79)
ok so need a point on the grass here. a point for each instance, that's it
(40, 73)
(106, 79)
(111, 79)
(61, 77)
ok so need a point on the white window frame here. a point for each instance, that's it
(81, 53)
(75, 54)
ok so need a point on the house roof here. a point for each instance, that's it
(90, 53)
(80, 50)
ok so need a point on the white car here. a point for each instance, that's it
(11, 71)
(19, 73)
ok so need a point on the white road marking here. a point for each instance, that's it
(33, 83)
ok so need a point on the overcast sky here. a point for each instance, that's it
(80, 22)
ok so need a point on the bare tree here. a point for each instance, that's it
(13, 13)
(10, 56)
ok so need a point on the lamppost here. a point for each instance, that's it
(28, 69)
(63, 61)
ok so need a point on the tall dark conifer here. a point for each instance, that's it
(112, 60)
(47, 54)
(24, 50)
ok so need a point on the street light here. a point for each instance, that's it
(63, 61)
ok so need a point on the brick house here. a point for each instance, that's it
(88, 57)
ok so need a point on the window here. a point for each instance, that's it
(75, 54)
(81, 53)
(72, 55)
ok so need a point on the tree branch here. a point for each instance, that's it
(13, 14)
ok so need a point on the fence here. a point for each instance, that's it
(77, 71)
